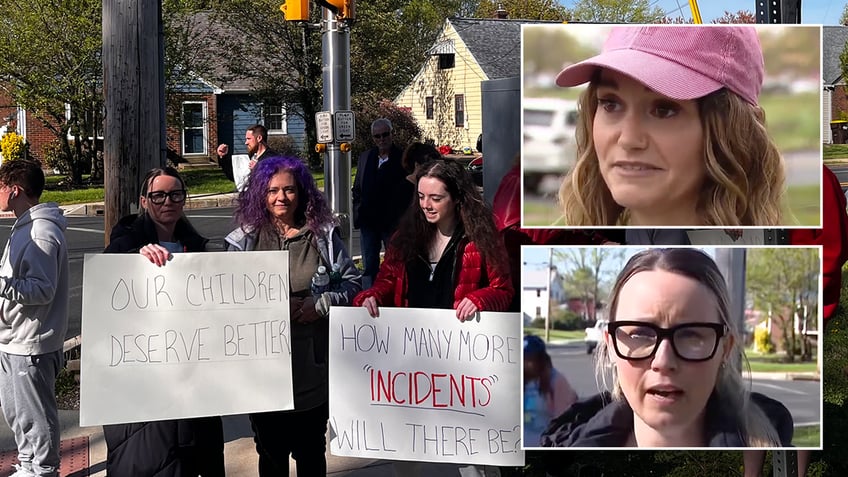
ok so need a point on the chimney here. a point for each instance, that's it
(501, 13)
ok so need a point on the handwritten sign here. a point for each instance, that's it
(207, 334)
(416, 384)
(241, 169)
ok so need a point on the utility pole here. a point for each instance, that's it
(134, 99)
(784, 464)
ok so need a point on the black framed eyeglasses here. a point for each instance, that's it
(158, 197)
(637, 340)
(382, 135)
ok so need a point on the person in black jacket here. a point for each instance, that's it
(675, 358)
(178, 447)
(381, 195)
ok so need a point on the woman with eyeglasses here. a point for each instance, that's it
(177, 447)
(674, 357)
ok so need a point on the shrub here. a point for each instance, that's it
(12, 146)
(284, 145)
(55, 157)
(567, 320)
(404, 126)
(762, 340)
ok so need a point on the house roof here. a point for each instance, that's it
(211, 32)
(494, 43)
(834, 39)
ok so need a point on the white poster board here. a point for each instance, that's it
(241, 169)
(205, 335)
(416, 384)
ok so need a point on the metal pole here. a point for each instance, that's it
(731, 262)
(550, 298)
(335, 54)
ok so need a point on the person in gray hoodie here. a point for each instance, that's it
(34, 319)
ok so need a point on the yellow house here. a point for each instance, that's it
(444, 96)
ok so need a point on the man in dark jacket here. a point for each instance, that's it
(381, 194)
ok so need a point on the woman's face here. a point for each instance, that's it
(667, 394)
(437, 204)
(168, 212)
(281, 197)
(650, 150)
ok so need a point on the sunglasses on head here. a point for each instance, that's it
(382, 135)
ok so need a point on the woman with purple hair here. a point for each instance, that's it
(280, 208)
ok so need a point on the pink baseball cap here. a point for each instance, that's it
(681, 62)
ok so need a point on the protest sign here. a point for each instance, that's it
(417, 384)
(241, 169)
(206, 334)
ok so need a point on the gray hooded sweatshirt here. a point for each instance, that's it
(34, 283)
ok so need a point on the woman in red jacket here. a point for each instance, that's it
(446, 253)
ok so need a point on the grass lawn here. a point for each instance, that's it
(198, 182)
(835, 151)
(557, 334)
(773, 364)
(807, 436)
(804, 204)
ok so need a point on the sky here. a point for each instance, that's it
(826, 12)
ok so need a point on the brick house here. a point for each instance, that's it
(211, 113)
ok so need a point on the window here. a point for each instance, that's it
(459, 110)
(275, 119)
(194, 127)
(428, 107)
(446, 61)
(97, 122)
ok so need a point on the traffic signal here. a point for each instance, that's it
(342, 8)
(296, 10)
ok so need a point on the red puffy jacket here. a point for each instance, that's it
(390, 286)
(833, 236)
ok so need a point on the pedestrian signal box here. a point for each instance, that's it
(296, 10)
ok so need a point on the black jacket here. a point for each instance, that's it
(172, 448)
(380, 195)
(601, 422)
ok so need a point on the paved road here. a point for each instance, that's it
(841, 174)
(803, 398)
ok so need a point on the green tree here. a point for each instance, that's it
(616, 11)
(524, 9)
(741, 16)
(389, 40)
(585, 273)
(50, 59)
(843, 19)
(783, 282)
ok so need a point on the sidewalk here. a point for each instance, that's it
(84, 453)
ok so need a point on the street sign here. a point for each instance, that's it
(324, 126)
(344, 125)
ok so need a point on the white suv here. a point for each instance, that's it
(548, 145)
(594, 335)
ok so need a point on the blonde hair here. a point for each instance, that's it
(731, 391)
(745, 176)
